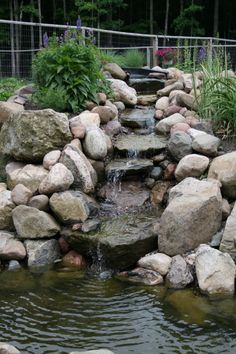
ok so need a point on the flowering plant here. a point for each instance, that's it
(166, 55)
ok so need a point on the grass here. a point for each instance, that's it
(8, 86)
(131, 58)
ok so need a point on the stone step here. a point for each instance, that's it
(138, 118)
(139, 145)
(118, 168)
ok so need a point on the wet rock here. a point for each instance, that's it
(123, 92)
(156, 173)
(142, 275)
(105, 113)
(165, 125)
(94, 144)
(146, 100)
(113, 128)
(20, 195)
(127, 167)
(137, 118)
(179, 275)
(162, 103)
(206, 144)
(72, 206)
(64, 246)
(159, 191)
(6, 348)
(91, 225)
(149, 182)
(6, 207)
(41, 253)
(169, 172)
(7, 109)
(99, 167)
(85, 177)
(74, 259)
(31, 223)
(158, 158)
(30, 135)
(14, 265)
(115, 70)
(158, 262)
(228, 243)
(40, 202)
(10, 247)
(51, 158)
(139, 145)
(215, 271)
(29, 175)
(191, 166)
(59, 179)
(179, 145)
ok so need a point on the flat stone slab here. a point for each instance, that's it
(120, 167)
(138, 118)
(140, 145)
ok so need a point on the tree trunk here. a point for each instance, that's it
(216, 18)
(166, 19)
(151, 16)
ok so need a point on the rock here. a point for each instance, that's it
(6, 348)
(139, 144)
(159, 191)
(228, 243)
(174, 73)
(20, 195)
(203, 126)
(169, 172)
(115, 70)
(215, 271)
(59, 179)
(226, 209)
(94, 144)
(179, 275)
(165, 125)
(74, 259)
(11, 248)
(14, 265)
(101, 97)
(158, 261)
(156, 173)
(223, 168)
(64, 246)
(162, 103)
(186, 100)
(137, 118)
(182, 127)
(172, 109)
(91, 225)
(85, 177)
(159, 114)
(216, 239)
(99, 167)
(30, 135)
(166, 90)
(105, 113)
(3, 187)
(206, 144)
(113, 128)
(7, 109)
(123, 92)
(127, 167)
(179, 145)
(146, 100)
(29, 175)
(6, 207)
(195, 133)
(159, 158)
(191, 166)
(32, 223)
(72, 206)
(87, 119)
(109, 144)
(142, 275)
(78, 131)
(191, 82)
(185, 216)
(40, 202)
(41, 253)
(77, 144)
(122, 240)
(51, 158)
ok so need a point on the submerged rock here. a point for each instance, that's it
(142, 275)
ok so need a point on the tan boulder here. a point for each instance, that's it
(7, 109)
(20, 194)
(192, 165)
(51, 158)
(105, 113)
(59, 179)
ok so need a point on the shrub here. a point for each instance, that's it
(53, 98)
(8, 87)
(134, 58)
(71, 67)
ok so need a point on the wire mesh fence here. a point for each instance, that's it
(20, 41)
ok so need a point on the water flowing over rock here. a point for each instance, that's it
(59, 179)
(94, 144)
(191, 166)
(10, 247)
(179, 275)
(215, 271)
(85, 177)
(165, 125)
(159, 262)
(127, 167)
(30, 135)
(6, 207)
(123, 92)
(29, 175)
(97, 351)
(72, 206)
(184, 225)
(228, 242)
(31, 223)
(137, 118)
(223, 168)
(42, 253)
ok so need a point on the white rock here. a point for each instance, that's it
(165, 125)
(162, 103)
(159, 262)
(123, 92)
(59, 179)
(95, 144)
(191, 166)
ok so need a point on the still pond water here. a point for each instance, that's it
(60, 311)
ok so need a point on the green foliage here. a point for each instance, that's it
(8, 87)
(72, 67)
(131, 58)
(187, 21)
(54, 98)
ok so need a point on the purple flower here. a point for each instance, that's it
(78, 23)
(45, 40)
(202, 54)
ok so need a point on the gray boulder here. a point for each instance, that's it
(115, 70)
(10, 247)
(228, 242)
(94, 144)
(31, 223)
(179, 145)
(206, 144)
(41, 253)
(7, 109)
(6, 207)
(30, 135)
(179, 275)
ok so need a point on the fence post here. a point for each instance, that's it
(210, 52)
(154, 50)
(148, 55)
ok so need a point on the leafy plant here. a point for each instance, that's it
(8, 87)
(71, 66)
(53, 98)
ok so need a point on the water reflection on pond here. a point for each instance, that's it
(60, 311)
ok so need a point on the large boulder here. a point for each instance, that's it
(192, 165)
(159, 262)
(7, 109)
(206, 144)
(94, 144)
(72, 206)
(31, 223)
(165, 125)
(30, 135)
(106, 113)
(183, 224)
(187, 100)
(228, 242)
(6, 207)
(215, 271)
(10, 247)
(115, 70)
(85, 177)
(179, 275)
(162, 103)
(29, 175)
(223, 168)
(123, 92)
(85, 119)
(42, 253)
(59, 179)
(179, 145)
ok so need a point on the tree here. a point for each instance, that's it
(186, 23)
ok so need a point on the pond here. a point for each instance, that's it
(59, 311)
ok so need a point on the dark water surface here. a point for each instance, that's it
(59, 311)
